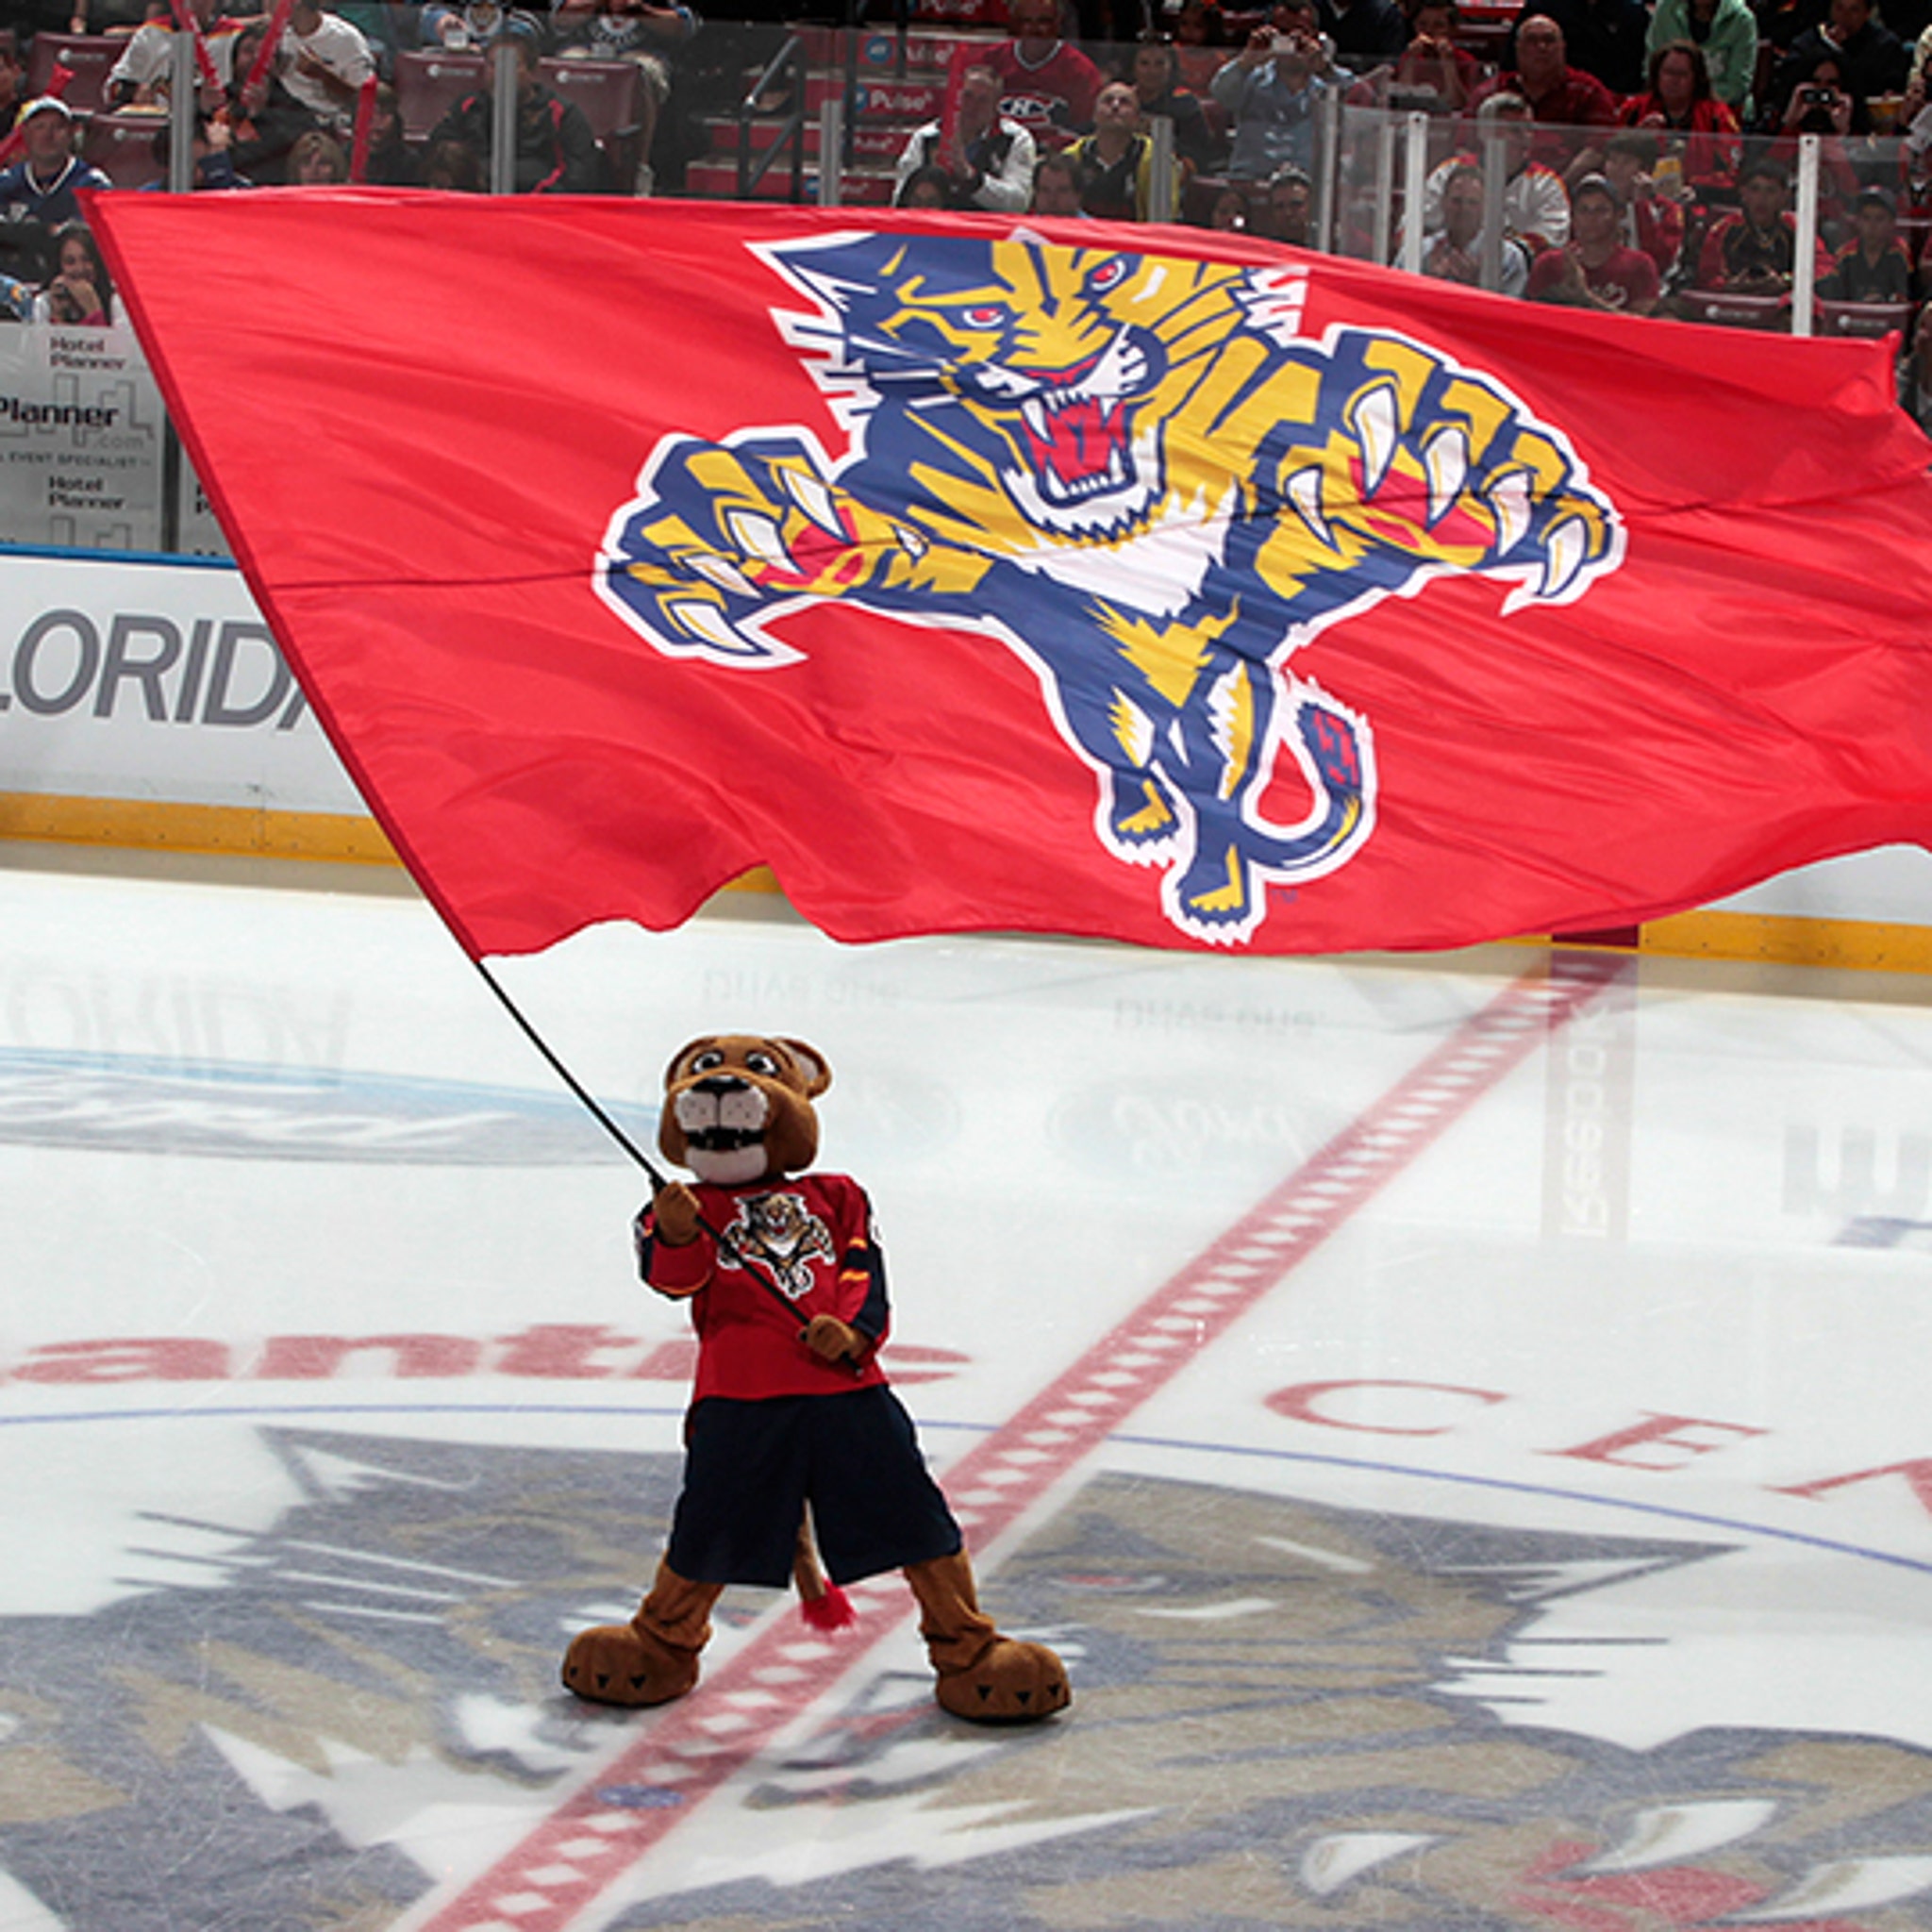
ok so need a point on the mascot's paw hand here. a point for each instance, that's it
(1012, 1683)
(832, 1340)
(675, 1214)
(617, 1663)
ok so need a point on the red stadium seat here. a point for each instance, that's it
(1736, 311)
(430, 83)
(1484, 29)
(88, 57)
(611, 93)
(1863, 318)
(121, 146)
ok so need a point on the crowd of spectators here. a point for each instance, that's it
(1647, 151)
(1645, 148)
(299, 94)
(1673, 195)
(276, 70)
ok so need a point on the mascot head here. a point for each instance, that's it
(738, 1108)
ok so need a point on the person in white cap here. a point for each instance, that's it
(41, 186)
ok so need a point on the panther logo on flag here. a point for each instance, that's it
(1137, 472)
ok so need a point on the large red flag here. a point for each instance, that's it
(976, 573)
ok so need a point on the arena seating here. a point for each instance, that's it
(430, 83)
(121, 146)
(610, 93)
(1863, 318)
(898, 79)
(86, 57)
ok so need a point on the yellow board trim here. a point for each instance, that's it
(347, 837)
(147, 825)
(1865, 945)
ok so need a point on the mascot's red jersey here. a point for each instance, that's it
(788, 1250)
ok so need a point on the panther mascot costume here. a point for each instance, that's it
(791, 1412)
(1137, 472)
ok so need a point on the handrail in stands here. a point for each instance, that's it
(789, 60)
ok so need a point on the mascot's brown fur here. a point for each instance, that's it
(788, 1294)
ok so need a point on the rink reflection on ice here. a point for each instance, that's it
(1462, 1421)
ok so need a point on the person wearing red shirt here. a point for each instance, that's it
(1047, 85)
(1680, 108)
(1650, 220)
(1594, 270)
(1432, 63)
(1568, 105)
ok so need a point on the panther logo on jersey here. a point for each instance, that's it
(1137, 472)
(783, 1237)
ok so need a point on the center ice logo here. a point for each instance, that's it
(308, 1708)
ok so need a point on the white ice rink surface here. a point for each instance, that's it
(1467, 1430)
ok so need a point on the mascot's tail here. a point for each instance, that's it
(820, 1602)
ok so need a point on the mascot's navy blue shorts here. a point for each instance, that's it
(751, 1467)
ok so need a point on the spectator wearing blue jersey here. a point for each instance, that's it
(41, 186)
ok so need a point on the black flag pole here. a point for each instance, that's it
(590, 1100)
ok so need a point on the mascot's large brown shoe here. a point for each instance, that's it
(652, 1658)
(982, 1675)
(618, 1663)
